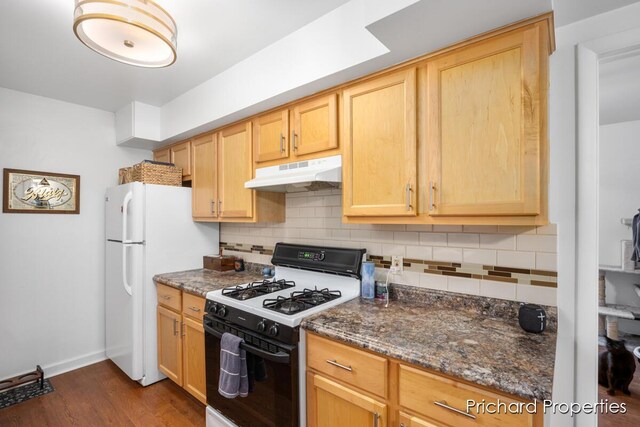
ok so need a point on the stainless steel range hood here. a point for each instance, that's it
(307, 175)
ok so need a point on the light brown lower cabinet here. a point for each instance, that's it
(338, 394)
(181, 354)
(337, 405)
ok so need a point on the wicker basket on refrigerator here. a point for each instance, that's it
(151, 172)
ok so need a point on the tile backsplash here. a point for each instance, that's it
(508, 262)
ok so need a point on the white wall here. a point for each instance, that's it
(619, 186)
(52, 266)
(619, 176)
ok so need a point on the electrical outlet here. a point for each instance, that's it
(396, 263)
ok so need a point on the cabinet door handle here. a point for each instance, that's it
(165, 297)
(407, 189)
(281, 143)
(213, 207)
(294, 140)
(339, 365)
(219, 207)
(192, 308)
(444, 405)
(376, 419)
(175, 327)
(432, 188)
(182, 328)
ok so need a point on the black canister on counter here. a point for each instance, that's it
(239, 265)
(532, 318)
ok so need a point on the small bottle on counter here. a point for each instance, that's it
(381, 291)
(367, 284)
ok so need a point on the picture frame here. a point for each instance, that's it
(26, 191)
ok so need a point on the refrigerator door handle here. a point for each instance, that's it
(125, 280)
(125, 208)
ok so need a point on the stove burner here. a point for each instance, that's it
(256, 289)
(247, 294)
(291, 306)
(301, 300)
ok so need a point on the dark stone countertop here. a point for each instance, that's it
(201, 281)
(473, 338)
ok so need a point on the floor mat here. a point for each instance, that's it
(24, 392)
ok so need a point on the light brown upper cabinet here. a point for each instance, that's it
(270, 136)
(235, 167)
(222, 163)
(181, 157)
(162, 155)
(204, 178)
(380, 146)
(485, 119)
(315, 126)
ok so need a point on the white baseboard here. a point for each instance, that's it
(74, 363)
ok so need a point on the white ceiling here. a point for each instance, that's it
(568, 11)
(39, 53)
(619, 90)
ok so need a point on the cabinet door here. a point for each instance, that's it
(204, 191)
(162, 155)
(380, 148)
(315, 126)
(411, 421)
(270, 136)
(234, 169)
(194, 380)
(181, 157)
(332, 404)
(169, 344)
(484, 127)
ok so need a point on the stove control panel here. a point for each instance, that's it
(311, 255)
(239, 320)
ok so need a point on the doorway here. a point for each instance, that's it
(618, 202)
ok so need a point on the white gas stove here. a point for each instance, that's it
(267, 316)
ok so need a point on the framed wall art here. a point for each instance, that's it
(40, 192)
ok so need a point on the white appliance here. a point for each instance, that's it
(308, 175)
(267, 315)
(149, 230)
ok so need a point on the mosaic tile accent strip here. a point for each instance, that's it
(246, 248)
(521, 276)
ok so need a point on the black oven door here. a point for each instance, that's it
(273, 390)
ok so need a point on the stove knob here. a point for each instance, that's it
(222, 311)
(212, 308)
(262, 325)
(273, 331)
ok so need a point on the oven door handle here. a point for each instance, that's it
(279, 357)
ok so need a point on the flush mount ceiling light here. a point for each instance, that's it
(136, 32)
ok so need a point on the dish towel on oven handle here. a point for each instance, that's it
(234, 380)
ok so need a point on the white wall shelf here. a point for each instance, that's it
(617, 269)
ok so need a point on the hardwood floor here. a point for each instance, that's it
(632, 417)
(102, 395)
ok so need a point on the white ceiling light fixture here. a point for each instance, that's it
(135, 32)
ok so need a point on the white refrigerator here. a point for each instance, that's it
(149, 230)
